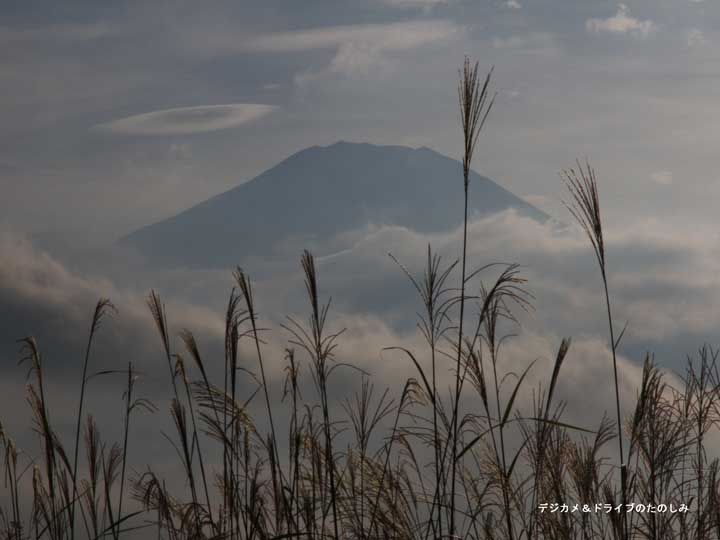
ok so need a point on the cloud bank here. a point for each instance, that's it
(663, 282)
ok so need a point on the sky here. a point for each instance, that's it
(116, 115)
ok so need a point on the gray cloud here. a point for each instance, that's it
(54, 304)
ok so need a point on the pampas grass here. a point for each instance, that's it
(420, 461)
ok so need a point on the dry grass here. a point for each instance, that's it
(415, 462)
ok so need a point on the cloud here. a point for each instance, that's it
(359, 47)
(568, 303)
(392, 36)
(512, 4)
(41, 296)
(669, 312)
(46, 299)
(651, 261)
(696, 38)
(664, 178)
(188, 120)
(425, 5)
(621, 23)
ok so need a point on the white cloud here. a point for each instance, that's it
(621, 23)
(648, 277)
(359, 47)
(664, 178)
(667, 313)
(513, 4)
(696, 38)
(186, 120)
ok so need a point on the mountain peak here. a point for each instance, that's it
(318, 194)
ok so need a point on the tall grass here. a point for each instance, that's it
(421, 461)
(585, 208)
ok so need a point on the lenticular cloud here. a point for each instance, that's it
(187, 120)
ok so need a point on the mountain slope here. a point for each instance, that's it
(317, 194)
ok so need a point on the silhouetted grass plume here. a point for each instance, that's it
(420, 461)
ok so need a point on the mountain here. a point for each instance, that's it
(316, 196)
